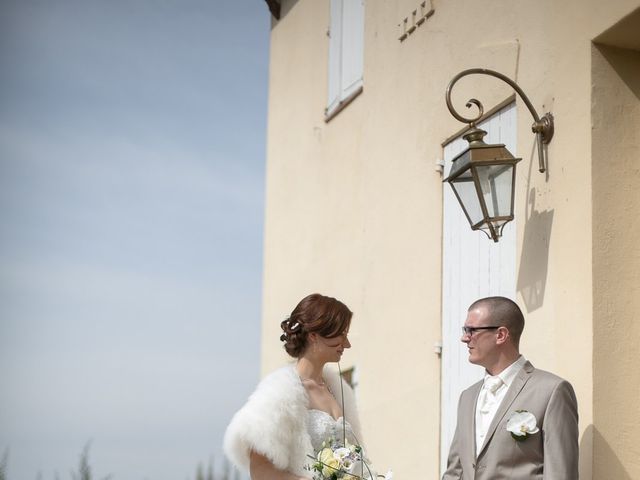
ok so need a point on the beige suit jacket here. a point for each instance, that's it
(550, 454)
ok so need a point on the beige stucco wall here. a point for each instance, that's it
(616, 261)
(354, 205)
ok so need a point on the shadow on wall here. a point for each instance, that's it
(282, 7)
(596, 455)
(286, 6)
(586, 453)
(626, 70)
(534, 258)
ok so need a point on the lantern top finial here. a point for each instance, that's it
(475, 136)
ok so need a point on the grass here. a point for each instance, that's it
(84, 468)
(85, 472)
(3, 464)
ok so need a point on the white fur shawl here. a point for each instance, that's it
(273, 421)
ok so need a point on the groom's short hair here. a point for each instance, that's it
(505, 313)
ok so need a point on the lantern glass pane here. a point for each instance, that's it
(467, 195)
(496, 185)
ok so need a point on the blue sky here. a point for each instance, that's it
(131, 193)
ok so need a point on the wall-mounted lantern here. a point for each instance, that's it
(483, 176)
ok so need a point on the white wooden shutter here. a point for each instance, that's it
(474, 266)
(346, 50)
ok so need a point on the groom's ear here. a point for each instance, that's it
(502, 335)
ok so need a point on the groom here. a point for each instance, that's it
(482, 447)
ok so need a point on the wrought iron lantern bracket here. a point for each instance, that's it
(542, 127)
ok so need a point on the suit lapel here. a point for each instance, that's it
(514, 390)
(471, 424)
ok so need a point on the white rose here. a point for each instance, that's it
(521, 424)
(341, 453)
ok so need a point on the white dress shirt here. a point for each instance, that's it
(489, 401)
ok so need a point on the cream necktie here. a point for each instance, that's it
(488, 393)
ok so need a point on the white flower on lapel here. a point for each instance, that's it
(521, 424)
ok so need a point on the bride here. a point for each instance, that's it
(298, 407)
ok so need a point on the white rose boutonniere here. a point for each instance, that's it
(521, 424)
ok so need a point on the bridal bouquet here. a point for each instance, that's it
(338, 461)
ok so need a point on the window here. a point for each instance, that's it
(350, 376)
(346, 52)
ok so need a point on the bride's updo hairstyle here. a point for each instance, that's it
(315, 313)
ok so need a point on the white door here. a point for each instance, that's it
(473, 266)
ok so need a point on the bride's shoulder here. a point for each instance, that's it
(280, 387)
(282, 382)
(279, 397)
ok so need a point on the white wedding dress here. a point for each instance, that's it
(323, 427)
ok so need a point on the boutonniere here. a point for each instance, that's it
(521, 424)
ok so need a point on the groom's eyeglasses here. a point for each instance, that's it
(470, 330)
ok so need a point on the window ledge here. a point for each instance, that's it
(328, 115)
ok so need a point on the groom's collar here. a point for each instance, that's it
(509, 374)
